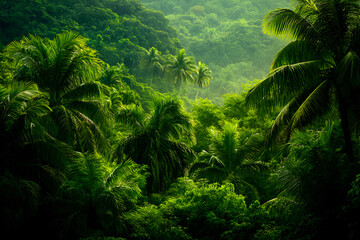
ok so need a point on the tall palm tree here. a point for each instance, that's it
(181, 68)
(65, 69)
(318, 68)
(159, 140)
(202, 76)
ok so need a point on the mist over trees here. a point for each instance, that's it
(227, 36)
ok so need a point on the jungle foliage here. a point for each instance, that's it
(227, 36)
(108, 136)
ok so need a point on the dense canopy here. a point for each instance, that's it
(118, 121)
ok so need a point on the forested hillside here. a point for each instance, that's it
(227, 36)
(119, 30)
(112, 128)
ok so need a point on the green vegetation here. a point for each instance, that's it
(227, 36)
(105, 132)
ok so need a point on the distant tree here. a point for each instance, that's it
(202, 76)
(181, 68)
(112, 75)
(154, 62)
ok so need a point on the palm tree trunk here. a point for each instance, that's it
(179, 89)
(345, 127)
(153, 76)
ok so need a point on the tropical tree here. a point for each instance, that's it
(154, 61)
(159, 139)
(202, 76)
(96, 194)
(112, 75)
(318, 69)
(221, 158)
(228, 160)
(181, 68)
(64, 69)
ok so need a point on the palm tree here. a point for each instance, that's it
(96, 194)
(181, 68)
(319, 67)
(159, 140)
(64, 69)
(219, 162)
(228, 160)
(154, 62)
(112, 75)
(202, 76)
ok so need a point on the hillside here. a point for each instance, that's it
(227, 36)
(119, 30)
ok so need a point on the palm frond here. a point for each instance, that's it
(132, 115)
(354, 35)
(297, 51)
(170, 120)
(82, 66)
(55, 152)
(88, 90)
(22, 191)
(224, 145)
(348, 71)
(283, 84)
(315, 105)
(251, 148)
(91, 136)
(181, 67)
(66, 124)
(93, 109)
(130, 146)
(305, 7)
(202, 75)
(283, 118)
(288, 24)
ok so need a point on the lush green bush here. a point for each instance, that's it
(150, 222)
